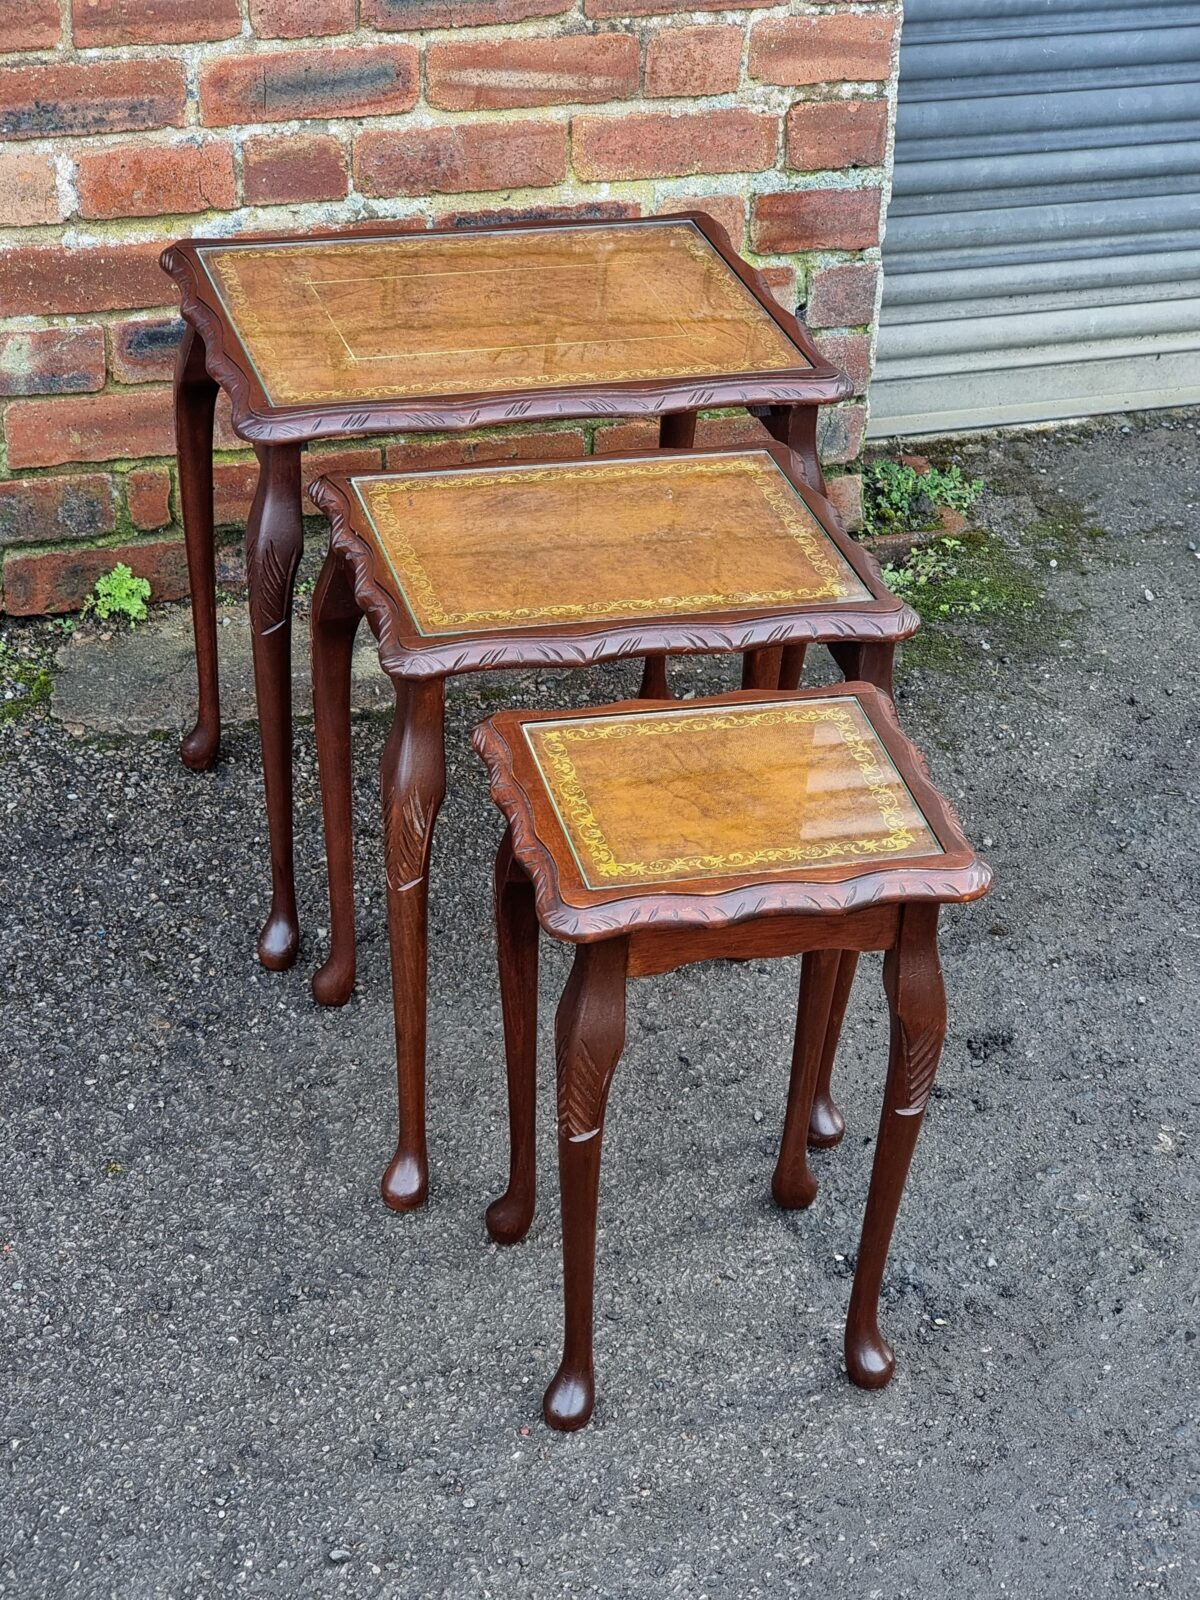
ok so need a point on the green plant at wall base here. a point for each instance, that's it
(970, 577)
(24, 685)
(119, 594)
(899, 499)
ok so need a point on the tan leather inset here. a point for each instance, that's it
(340, 320)
(684, 795)
(597, 541)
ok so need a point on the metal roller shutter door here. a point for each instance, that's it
(1042, 256)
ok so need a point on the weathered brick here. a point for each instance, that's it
(153, 21)
(37, 281)
(494, 74)
(402, 14)
(693, 61)
(106, 427)
(855, 48)
(36, 583)
(302, 19)
(815, 219)
(47, 510)
(842, 296)
(91, 97)
(28, 191)
(846, 494)
(840, 432)
(29, 24)
(294, 168)
(586, 211)
(461, 159)
(52, 361)
(154, 180)
(148, 496)
(143, 350)
(234, 482)
(782, 283)
(657, 145)
(419, 454)
(277, 86)
(650, 8)
(851, 352)
(727, 209)
(616, 438)
(836, 133)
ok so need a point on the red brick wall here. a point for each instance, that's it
(125, 123)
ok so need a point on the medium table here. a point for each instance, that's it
(334, 335)
(557, 564)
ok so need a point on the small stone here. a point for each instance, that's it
(1149, 593)
(339, 1557)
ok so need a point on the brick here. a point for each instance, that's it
(107, 427)
(693, 61)
(657, 145)
(403, 14)
(49, 510)
(617, 438)
(727, 209)
(851, 352)
(496, 74)
(782, 283)
(846, 494)
(460, 160)
(362, 458)
(729, 433)
(815, 219)
(840, 432)
(99, 22)
(28, 191)
(836, 133)
(427, 454)
(37, 281)
(29, 24)
(151, 180)
(652, 8)
(52, 361)
(852, 48)
(143, 350)
(61, 580)
(588, 211)
(91, 97)
(233, 490)
(148, 496)
(367, 81)
(842, 296)
(302, 19)
(288, 170)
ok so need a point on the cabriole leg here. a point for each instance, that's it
(413, 783)
(791, 669)
(866, 663)
(761, 668)
(335, 619)
(912, 977)
(274, 541)
(793, 1185)
(796, 427)
(589, 1037)
(509, 1217)
(195, 404)
(826, 1125)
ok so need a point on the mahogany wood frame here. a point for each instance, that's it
(211, 355)
(862, 636)
(619, 936)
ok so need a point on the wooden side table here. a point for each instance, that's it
(554, 564)
(651, 836)
(336, 335)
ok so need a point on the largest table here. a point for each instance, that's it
(336, 335)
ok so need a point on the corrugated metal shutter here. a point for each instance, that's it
(1042, 256)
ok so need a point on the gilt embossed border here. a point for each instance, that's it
(571, 911)
(405, 652)
(254, 417)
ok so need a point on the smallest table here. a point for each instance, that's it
(654, 836)
(554, 564)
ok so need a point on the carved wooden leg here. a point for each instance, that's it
(912, 977)
(335, 619)
(195, 403)
(676, 431)
(655, 684)
(508, 1218)
(589, 1037)
(793, 1185)
(274, 541)
(413, 782)
(792, 667)
(761, 668)
(866, 663)
(796, 427)
(826, 1125)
